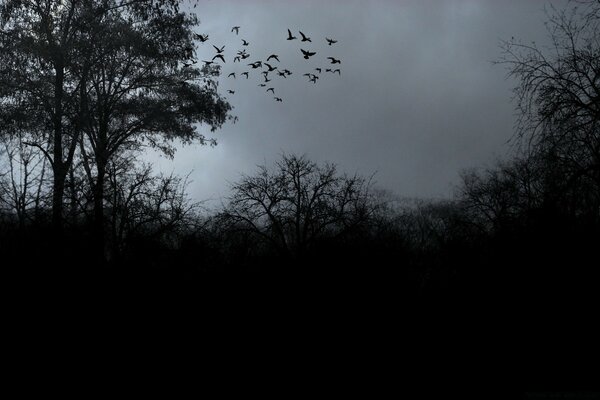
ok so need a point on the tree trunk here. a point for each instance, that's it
(99, 220)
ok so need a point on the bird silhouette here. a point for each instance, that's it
(304, 38)
(207, 62)
(267, 79)
(271, 68)
(219, 56)
(334, 61)
(219, 50)
(255, 65)
(278, 98)
(245, 43)
(202, 38)
(231, 91)
(271, 89)
(290, 37)
(313, 79)
(275, 56)
(330, 41)
(262, 84)
(287, 72)
(307, 54)
(236, 29)
(231, 74)
(236, 58)
(281, 73)
(338, 71)
(307, 75)
(328, 70)
(318, 70)
(245, 73)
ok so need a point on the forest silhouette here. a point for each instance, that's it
(86, 86)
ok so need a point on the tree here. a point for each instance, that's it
(143, 87)
(101, 76)
(558, 97)
(297, 203)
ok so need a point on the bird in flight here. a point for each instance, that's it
(231, 74)
(275, 56)
(245, 43)
(282, 73)
(236, 29)
(318, 70)
(330, 41)
(231, 91)
(304, 38)
(219, 50)
(256, 64)
(287, 72)
(202, 38)
(278, 98)
(271, 68)
(262, 84)
(290, 37)
(207, 62)
(337, 70)
(271, 89)
(307, 54)
(328, 70)
(334, 61)
(236, 58)
(219, 56)
(245, 73)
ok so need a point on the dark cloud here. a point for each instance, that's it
(418, 98)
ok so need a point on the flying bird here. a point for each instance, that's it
(318, 70)
(287, 72)
(275, 56)
(304, 38)
(334, 61)
(271, 89)
(236, 58)
(330, 41)
(236, 29)
(207, 62)
(231, 91)
(307, 54)
(337, 70)
(262, 84)
(328, 70)
(255, 64)
(245, 43)
(281, 73)
(290, 37)
(219, 56)
(278, 98)
(219, 50)
(271, 68)
(202, 38)
(245, 73)
(231, 74)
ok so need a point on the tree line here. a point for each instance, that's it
(77, 110)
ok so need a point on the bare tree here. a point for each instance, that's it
(22, 182)
(558, 94)
(297, 203)
(142, 204)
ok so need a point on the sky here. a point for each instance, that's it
(417, 101)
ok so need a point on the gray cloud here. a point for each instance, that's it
(418, 98)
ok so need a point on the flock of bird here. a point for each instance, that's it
(268, 68)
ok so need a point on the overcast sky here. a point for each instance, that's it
(417, 101)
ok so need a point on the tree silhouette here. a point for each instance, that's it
(297, 203)
(100, 76)
(558, 96)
